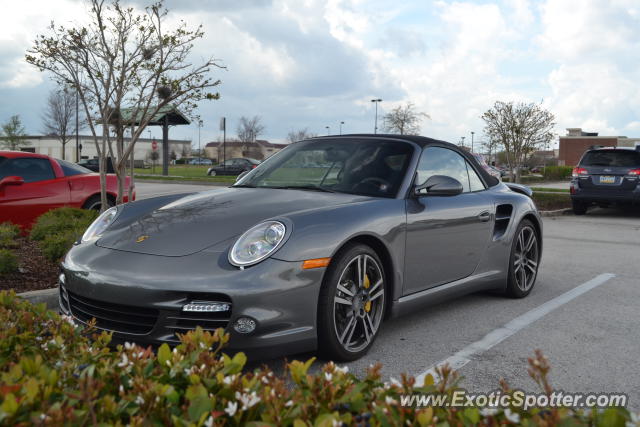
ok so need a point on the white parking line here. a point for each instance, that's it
(464, 356)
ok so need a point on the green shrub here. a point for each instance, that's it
(56, 230)
(51, 373)
(57, 245)
(62, 220)
(552, 201)
(557, 173)
(8, 234)
(8, 261)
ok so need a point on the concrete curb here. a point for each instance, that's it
(47, 296)
(559, 212)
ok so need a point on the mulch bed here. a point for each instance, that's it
(36, 272)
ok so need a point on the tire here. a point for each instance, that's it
(351, 306)
(212, 173)
(524, 260)
(579, 208)
(94, 203)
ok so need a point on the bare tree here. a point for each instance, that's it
(520, 129)
(299, 135)
(13, 134)
(59, 114)
(249, 128)
(404, 120)
(127, 68)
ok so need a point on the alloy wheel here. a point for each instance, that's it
(358, 303)
(525, 262)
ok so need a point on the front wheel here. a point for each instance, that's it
(351, 305)
(524, 260)
(212, 173)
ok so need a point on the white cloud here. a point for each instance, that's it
(595, 82)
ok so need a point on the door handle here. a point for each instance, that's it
(484, 216)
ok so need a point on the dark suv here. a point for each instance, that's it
(605, 176)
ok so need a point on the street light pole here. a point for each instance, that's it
(199, 127)
(328, 130)
(341, 123)
(472, 132)
(462, 141)
(375, 127)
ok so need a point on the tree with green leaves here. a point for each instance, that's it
(404, 120)
(127, 67)
(12, 134)
(520, 129)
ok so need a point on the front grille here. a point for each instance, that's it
(113, 317)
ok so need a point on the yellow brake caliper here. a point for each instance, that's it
(366, 284)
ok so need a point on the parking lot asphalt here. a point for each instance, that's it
(591, 339)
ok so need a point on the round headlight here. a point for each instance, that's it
(257, 243)
(101, 223)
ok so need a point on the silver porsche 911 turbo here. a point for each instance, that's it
(311, 250)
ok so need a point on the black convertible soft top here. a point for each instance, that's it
(423, 141)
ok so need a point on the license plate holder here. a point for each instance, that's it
(607, 179)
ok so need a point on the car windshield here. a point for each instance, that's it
(366, 167)
(611, 158)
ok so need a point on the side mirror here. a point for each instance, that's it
(239, 177)
(11, 180)
(440, 185)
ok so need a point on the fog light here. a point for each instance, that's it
(206, 306)
(244, 325)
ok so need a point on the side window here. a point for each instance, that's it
(30, 169)
(442, 161)
(475, 183)
(71, 169)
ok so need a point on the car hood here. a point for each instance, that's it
(200, 220)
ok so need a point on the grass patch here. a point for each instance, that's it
(552, 202)
(188, 171)
(550, 190)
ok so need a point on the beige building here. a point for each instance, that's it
(51, 146)
(259, 150)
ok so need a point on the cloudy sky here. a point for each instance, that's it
(313, 63)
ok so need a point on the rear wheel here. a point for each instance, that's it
(94, 203)
(351, 304)
(524, 261)
(579, 208)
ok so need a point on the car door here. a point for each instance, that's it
(446, 235)
(41, 191)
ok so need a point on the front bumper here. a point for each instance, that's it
(140, 298)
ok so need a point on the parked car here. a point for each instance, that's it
(200, 161)
(606, 176)
(32, 184)
(94, 165)
(292, 259)
(233, 166)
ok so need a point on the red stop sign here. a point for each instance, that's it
(154, 145)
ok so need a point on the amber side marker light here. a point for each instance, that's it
(315, 263)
